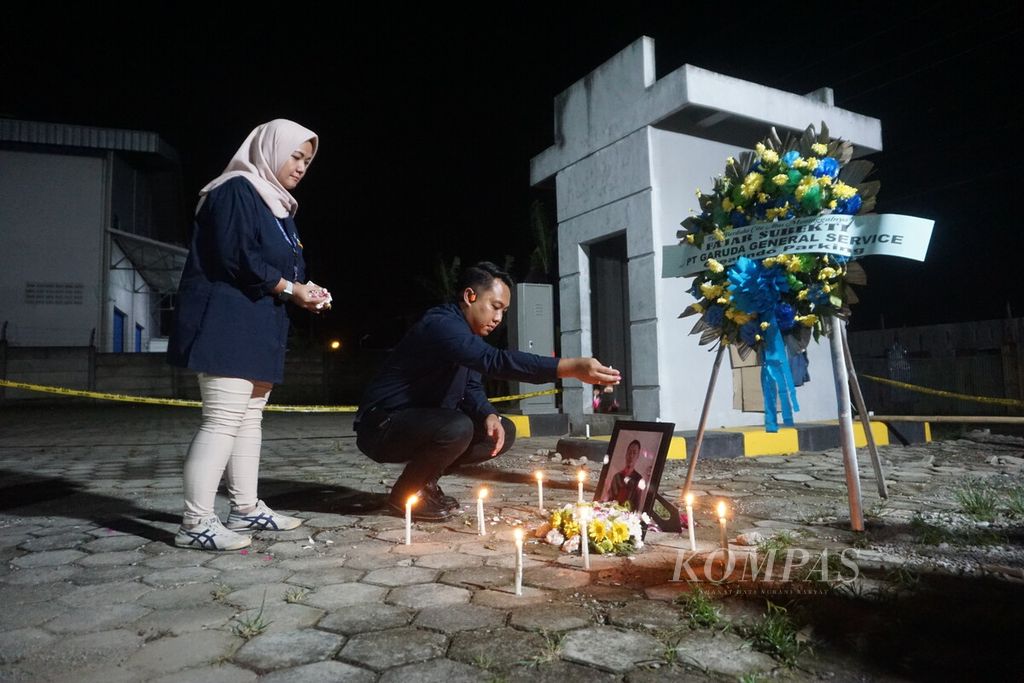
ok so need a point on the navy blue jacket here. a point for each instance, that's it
(438, 364)
(228, 321)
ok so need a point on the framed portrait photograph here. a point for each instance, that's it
(633, 464)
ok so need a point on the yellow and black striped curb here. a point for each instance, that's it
(183, 403)
(1011, 402)
(753, 441)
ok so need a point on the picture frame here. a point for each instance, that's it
(633, 464)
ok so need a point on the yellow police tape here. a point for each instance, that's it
(62, 391)
(1012, 402)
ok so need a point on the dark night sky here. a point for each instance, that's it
(428, 121)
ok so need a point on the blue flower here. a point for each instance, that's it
(737, 218)
(789, 157)
(827, 167)
(749, 332)
(850, 206)
(714, 316)
(755, 289)
(817, 295)
(785, 317)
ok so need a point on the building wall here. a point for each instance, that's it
(679, 165)
(51, 223)
(130, 294)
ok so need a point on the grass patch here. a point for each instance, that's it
(295, 595)
(250, 627)
(220, 591)
(932, 534)
(549, 651)
(1014, 499)
(777, 543)
(977, 499)
(776, 635)
(701, 611)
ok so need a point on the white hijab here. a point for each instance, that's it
(258, 160)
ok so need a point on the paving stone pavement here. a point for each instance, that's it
(93, 589)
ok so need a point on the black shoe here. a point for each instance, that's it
(426, 509)
(433, 490)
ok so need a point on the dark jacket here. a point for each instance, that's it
(439, 363)
(228, 321)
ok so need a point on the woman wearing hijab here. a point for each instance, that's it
(244, 267)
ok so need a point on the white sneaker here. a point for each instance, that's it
(210, 534)
(261, 519)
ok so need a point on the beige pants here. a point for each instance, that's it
(228, 441)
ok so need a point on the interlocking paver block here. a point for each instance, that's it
(610, 649)
(321, 672)
(428, 595)
(461, 618)
(481, 647)
(366, 617)
(401, 576)
(551, 617)
(555, 578)
(282, 650)
(436, 671)
(386, 649)
(644, 614)
(722, 653)
(194, 649)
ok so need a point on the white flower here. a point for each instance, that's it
(572, 545)
(555, 537)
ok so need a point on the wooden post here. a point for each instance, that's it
(703, 420)
(846, 424)
(865, 419)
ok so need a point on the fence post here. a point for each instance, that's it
(91, 381)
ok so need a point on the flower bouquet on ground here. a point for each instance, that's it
(611, 528)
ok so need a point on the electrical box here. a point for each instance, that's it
(531, 328)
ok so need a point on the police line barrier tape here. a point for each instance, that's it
(125, 398)
(1011, 402)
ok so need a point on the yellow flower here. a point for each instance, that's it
(690, 238)
(800, 163)
(808, 320)
(556, 519)
(771, 261)
(696, 307)
(819, 149)
(833, 204)
(770, 156)
(843, 191)
(722, 300)
(727, 204)
(825, 180)
(619, 532)
(780, 179)
(751, 184)
(719, 235)
(760, 148)
(730, 161)
(714, 266)
(571, 528)
(762, 197)
(757, 337)
(827, 273)
(801, 295)
(812, 163)
(826, 288)
(803, 187)
(598, 530)
(794, 265)
(710, 291)
(765, 326)
(738, 316)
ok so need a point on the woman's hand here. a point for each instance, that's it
(311, 297)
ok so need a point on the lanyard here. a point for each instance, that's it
(294, 244)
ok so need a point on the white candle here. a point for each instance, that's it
(480, 512)
(721, 523)
(519, 560)
(588, 431)
(580, 476)
(408, 519)
(540, 489)
(583, 513)
(689, 520)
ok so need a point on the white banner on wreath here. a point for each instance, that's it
(886, 234)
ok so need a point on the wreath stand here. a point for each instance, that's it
(846, 384)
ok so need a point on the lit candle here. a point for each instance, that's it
(583, 513)
(588, 431)
(408, 519)
(689, 520)
(721, 524)
(519, 560)
(580, 476)
(540, 489)
(480, 511)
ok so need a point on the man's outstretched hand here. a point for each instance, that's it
(492, 424)
(588, 370)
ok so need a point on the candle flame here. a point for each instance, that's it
(689, 499)
(483, 494)
(539, 475)
(412, 500)
(722, 509)
(581, 476)
(518, 533)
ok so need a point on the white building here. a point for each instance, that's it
(81, 213)
(629, 153)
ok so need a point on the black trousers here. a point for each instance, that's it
(431, 440)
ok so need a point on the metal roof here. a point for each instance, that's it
(87, 137)
(159, 263)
